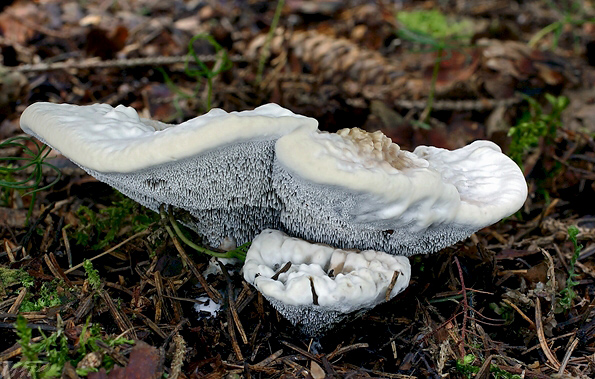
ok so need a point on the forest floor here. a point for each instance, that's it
(515, 300)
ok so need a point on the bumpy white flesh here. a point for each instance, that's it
(323, 285)
(359, 190)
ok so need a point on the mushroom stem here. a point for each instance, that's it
(239, 252)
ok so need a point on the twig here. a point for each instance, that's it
(391, 285)
(523, 315)
(151, 324)
(234, 341)
(179, 355)
(67, 246)
(343, 350)
(33, 226)
(50, 261)
(281, 271)
(268, 360)
(567, 356)
(302, 351)
(484, 370)
(14, 308)
(213, 295)
(541, 336)
(232, 305)
(111, 250)
(116, 63)
(314, 294)
(465, 308)
(121, 320)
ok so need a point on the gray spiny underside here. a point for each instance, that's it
(325, 214)
(228, 191)
(238, 190)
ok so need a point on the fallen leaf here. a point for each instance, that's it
(145, 363)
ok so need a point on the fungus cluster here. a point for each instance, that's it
(237, 174)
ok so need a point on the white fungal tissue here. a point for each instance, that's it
(241, 172)
(323, 284)
(216, 166)
(355, 189)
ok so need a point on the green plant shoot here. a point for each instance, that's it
(175, 231)
(46, 358)
(92, 274)
(536, 124)
(223, 63)
(567, 295)
(433, 29)
(265, 52)
(33, 162)
(572, 15)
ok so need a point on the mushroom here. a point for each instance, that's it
(354, 189)
(316, 286)
(216, 166)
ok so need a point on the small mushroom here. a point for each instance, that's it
(322, 285)
(216, 166)
(354, 189)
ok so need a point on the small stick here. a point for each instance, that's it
(151, 324)
(67, 247)
(213, 295)
(465, 308)
(8, 250)
(122, 63)
(50, 261)
(268, 360)
(234, 341)
(159, 301)
(301, 351)
(523, 315)
(121, 320)
(14, 308)
(343, 350)
(281, 271)
(111, 250)
(391, 285)
(232, 304)
(314, 295)
(179, 355)
(567, 356)
(541, 336)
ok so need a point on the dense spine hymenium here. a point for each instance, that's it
(327, 214)
(227, 191)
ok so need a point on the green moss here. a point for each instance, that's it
(9, 277)
(46, 358)
(51, 294)
(435, 24)
(92, 274)
(100, 229)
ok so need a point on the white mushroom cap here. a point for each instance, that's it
(323, 284)
(107, 139)
(358, 189)
(216, 166)
(490, 185)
